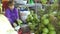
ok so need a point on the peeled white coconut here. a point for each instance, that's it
(5, 26)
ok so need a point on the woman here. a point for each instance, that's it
(12, 13)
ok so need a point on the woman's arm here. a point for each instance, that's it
(17, 14)
(7, 14)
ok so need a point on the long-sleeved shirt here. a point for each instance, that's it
(12, 15)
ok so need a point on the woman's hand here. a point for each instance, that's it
(14, 24)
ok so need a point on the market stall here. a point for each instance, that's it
(38, 16)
